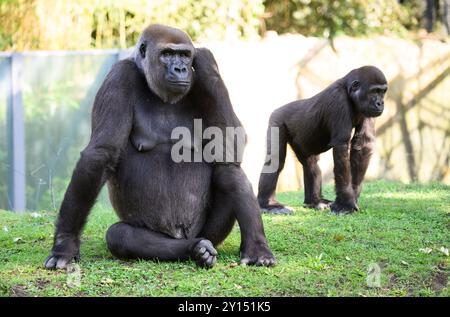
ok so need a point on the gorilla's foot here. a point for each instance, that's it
(321, 205)
(204, 254)
(339, 208)
(276, 210)
(259, 255)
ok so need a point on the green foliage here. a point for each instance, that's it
(413, 12)
(319, 254)
(331, 18)
(83, 24)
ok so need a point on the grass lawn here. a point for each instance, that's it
(399, 227)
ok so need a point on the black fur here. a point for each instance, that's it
(313, 126)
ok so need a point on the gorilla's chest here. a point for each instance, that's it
(156, 123)
(149, 188)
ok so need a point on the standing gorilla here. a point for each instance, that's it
(313, 126)
(168, 210)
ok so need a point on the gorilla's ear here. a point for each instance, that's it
(142, 49)
(354, 86)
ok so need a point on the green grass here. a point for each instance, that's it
(319, 254)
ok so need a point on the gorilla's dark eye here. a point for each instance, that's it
(185, 54)
(142, 49)
(166, 54)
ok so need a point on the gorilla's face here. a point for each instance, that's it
(166, 61)
(367, 90)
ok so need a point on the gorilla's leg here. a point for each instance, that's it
(128, 242)
(363, 143)
(268, 179)
(312, 178)
(235, 199)
(220, 220)
(345, 201)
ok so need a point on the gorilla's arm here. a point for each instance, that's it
(211, 96)
(231, 185)
(234, 192)
(363, 143)
(211, 93)
(111, 125)
(345, 196)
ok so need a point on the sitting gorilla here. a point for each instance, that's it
(313, 126)
(167, 210)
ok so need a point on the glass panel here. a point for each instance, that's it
(58, 93)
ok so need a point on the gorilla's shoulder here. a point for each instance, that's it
(124, 71)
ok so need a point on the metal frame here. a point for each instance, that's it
(16, 137)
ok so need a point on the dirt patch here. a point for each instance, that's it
(392, 280)
(439, 281)
(19, 291)
(41, 283)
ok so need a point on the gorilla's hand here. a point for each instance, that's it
(259, 255)
(204, 254)
(65, 249)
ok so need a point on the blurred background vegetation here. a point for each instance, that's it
(351, 17)
(84, 24)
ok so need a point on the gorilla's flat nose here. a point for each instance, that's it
(180, 71)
